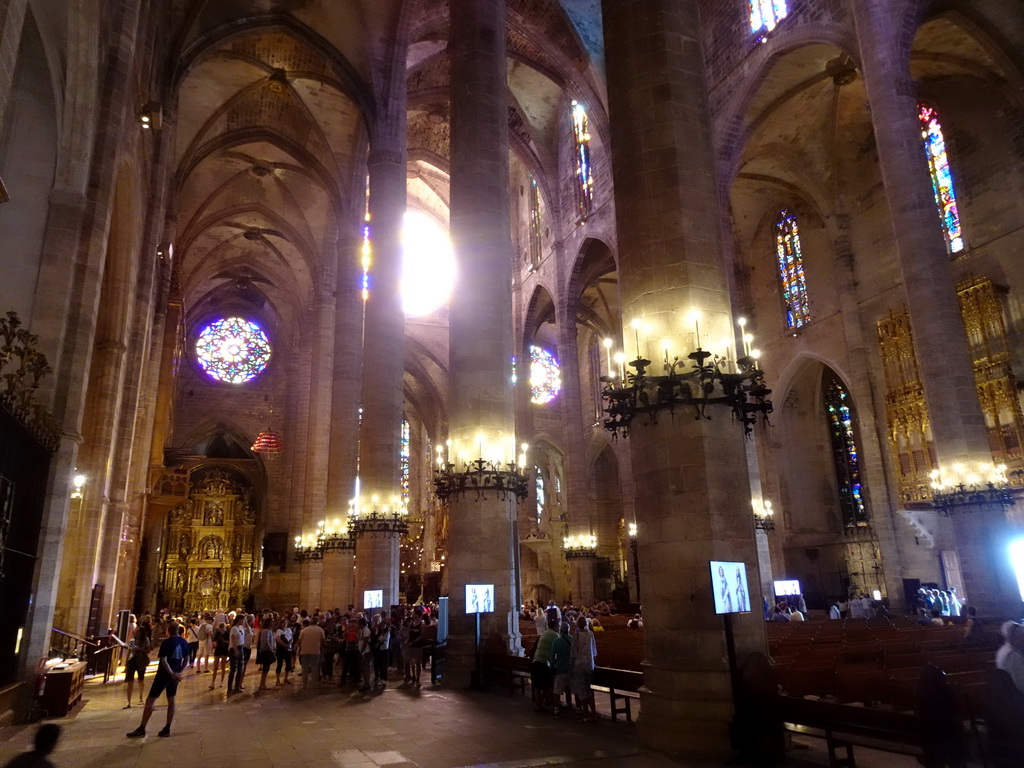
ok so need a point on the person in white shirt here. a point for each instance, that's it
(236, 646)
(1010, 656)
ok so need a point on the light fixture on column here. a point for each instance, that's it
(308, 548)
(764, 515)
(580, 546)
(372, 519)
(708, 379)
(336, 537)
(501, 475)
(78, 481)
(970, 487)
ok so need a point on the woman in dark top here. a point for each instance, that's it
(140, 646)
(221, 650)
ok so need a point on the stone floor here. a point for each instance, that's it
(337, 728)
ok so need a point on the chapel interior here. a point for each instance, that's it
(307, 299)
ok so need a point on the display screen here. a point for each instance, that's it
(479, 598)
(729, 586)
(373, 598)
(787, 588)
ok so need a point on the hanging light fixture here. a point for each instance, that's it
(268, 442)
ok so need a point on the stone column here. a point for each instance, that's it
(943, 356)
(377, 555)
(692, 495)
(583, 569)
(482, 540)
(344, 449)
(336, 591)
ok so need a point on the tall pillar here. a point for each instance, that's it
(943, 357)
(692, 494)
(583, 570)
(377, 554)
(482, 541)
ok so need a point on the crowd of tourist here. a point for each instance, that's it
(562, 658)
(347, 648)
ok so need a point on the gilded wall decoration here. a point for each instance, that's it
(211, 552)
(909, 428)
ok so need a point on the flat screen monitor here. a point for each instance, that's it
(373, 598)
(787, 588)
(729, 586)
(479, 598)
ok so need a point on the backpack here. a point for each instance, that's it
(204, 631)
(352, 639)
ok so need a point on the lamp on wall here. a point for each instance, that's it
(707, 379)
(968, 487)
(580, 546)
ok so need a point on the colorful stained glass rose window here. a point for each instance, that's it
(233, 350)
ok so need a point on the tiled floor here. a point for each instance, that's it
(336, 728)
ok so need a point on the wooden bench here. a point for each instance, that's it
(511, 670)
(843, 727)
(621, 685)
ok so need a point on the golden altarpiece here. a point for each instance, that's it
(209, 544)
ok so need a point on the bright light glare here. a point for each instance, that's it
(1017, 562)
(428, 265)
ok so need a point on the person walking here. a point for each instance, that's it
(236, 653)
(221, 653)
(205, 634)
(266, 652)
(140, 645)
(584, 651)
(173, 656)
(311, 648)
(283, 647)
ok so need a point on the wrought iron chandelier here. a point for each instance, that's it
(764, 518)
(481, 477)
(580, 547)
(374, 522)
(964, 488)
(328, 538)
(707, 382)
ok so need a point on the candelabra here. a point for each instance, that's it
(706, 383)
(481, 476)
(390, 519)
(578, 547)
(964, 488)
(308, 548)
(764, 518)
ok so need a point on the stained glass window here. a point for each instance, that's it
(942, 177)
(535, 224)
(541, 500)
(584, 181)
(233, 350)
(791, 271)
(403, 458)
(845, 455)
(545, 377)
(765, 15)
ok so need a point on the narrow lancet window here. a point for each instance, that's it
(584, 181)
(791, 271)
(942, 177)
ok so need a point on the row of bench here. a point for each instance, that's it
(621, 685)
